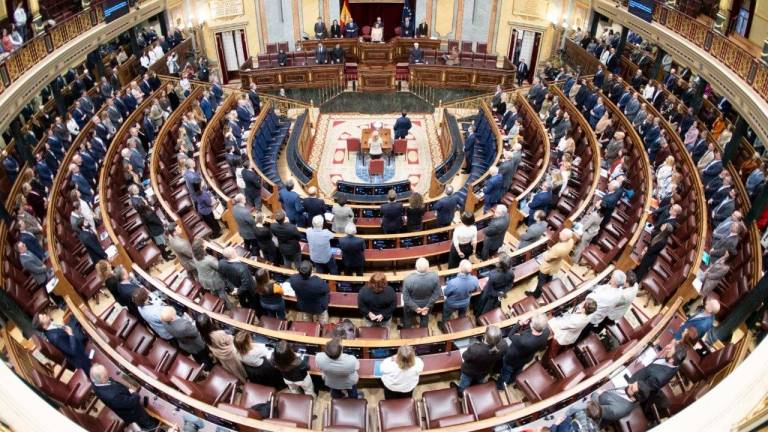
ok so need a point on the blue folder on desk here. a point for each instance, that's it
(377, 368)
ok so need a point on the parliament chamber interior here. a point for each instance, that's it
(383, 215)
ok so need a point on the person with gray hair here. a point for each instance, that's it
(458, 292)
(421, 289)
(246, 225)
(522, 347)
(480, 359)
(446, 207)
(124, 402)
(607, 297)
(319, 241)
(495, 232)
(352, 251)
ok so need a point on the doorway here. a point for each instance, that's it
(524, 46)
(231, 50)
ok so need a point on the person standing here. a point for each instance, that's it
(392, 214)
(339, 370)
(124, 402)
(377, 301)
(255, 359)
(458, 292)
(464, 243)
(421, 289)
(293, 368)
(246, 225)
(66, 339)
(480, 359)
(495, 232)
(522, 347)
(181, 247)
(319, 242)
(186, 335)
(221, 344)
(342, 214)
(312, 294)
(320, 30)
(352, 251)
(552, 261)
(288, 237)
(414, 213)
(20, 19)
(239, 278)
(270, 295)
(207, 270)
(402, 126)
(446, 207)
(400, 373)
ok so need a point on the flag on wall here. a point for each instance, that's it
(344, 16)
(407, 12)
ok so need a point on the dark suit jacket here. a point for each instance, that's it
(313, 207)
(352, 251)
(655, 375)
(125, 404)
(287, 237)
(92, 245)
(311, 294)
(246, 225)
(237, 275)
(495, 231)
(614, 407)
(446, 209)
(541, 201)
(402, 126)
(71, 346)
(610, 200)
(392, 217)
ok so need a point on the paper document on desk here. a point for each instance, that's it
(288, 289)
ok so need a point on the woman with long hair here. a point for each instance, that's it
(293, 368)
(270, 295)
(221, 345)
(255, 359)
(109, 277)
(400, 373)
(414, 213)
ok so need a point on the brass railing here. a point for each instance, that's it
(751, 69)
(34, 50)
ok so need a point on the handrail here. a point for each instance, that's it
(161, 140)
(193, 403)
(205, 141)
(544, 136)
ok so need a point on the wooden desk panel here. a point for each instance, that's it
(294, 76)
(461, 76)
(371, 53)
(376, 78)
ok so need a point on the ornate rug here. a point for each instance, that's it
(329, 154)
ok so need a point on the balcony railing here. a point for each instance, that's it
(751, 69)
(36, 49)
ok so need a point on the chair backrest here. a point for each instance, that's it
(376, 167)
(452, 43)
(296, 408)
(282, 46)
(353, 144)
(139, 340)
(634, 422)
(398, 31)
(271, 48)
(253, 394)
(212, 303)
(481, 48)
(185, 368)
(351, 413)
(366, 30)
(492, 317)
(466, 46)
(414, 333)
(440, 404)
(482, 400)
(566, 364)
(307, 327)
(397, 413)
(219, 386)
(459, 324)
(535, 382)
(400, 146)
(161, 355)
(373, 332)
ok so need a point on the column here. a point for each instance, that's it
(723, 17)
(95, 64)
(568, 14)
(657, 63)
(37, 19)
(135, 50)
(162, 17)
(739, 130)
(764, 55)
(593, 19)
(622, 44)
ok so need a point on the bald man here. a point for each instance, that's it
(125, 402)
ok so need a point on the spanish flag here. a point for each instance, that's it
(345, 16)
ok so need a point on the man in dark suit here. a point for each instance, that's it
(492, 190)
(320, 31)
(252, 182)
(124, 402)
(417, 55)
(611, 200)
(522, 73)
(495, 232)
(522, 347)
(713, 168)
(392, 214)
(238, 277)
(183, 330)
(541, 201)
(469, 149)
(288, 237)
(246, 225)
(291, 202)
(90, 240)
(507, 169)
(446, 206)
(618, 403)
(81, 183)
(728, 244)
(402, 126)
(312, 294)
(205, 106)
(351, 29)
(30, 240)
(337, 55)
(661, 371)
(66, 339)
(352, 251)
(313, 206)
(599, 77)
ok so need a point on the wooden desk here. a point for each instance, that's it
(376, 78)
(386, 138)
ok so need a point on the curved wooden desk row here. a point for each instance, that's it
(744, 274)
(202, 409)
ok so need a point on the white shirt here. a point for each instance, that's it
(375, 144)
(255, 357)
(144, 60)
(152, 56)
(607, 298)
(87, 212)
(463, 234)
(185, 85)
(20, 16)
(567, 328)
(628, 295)
(158, 51)
(72, 126)
(399, 380)
(648, 92)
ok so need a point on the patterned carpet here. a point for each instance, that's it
(330, 151)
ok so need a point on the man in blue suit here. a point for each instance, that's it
(541, 201)
(493, 189)
(149, 127)
(205, 105)
(352, 251)
(469, 149)
(43, 171)
(611, 199)
(402, 126)
(253, 96)
(291, 202)
(508, 120)
(88, 167)
(351, 29)
(67, 338)
(446, 206)
(55, 145)
(243, 115)
(713, 168)
(29, 239)
(700, 147)
(144, 85)
(216, 90)
(234, 126)
(81, 183)
(78, 114)
(599, 77)
(596, 113)
(701, 323)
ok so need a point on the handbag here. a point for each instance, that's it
(218, 210)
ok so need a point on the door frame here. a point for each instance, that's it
(227, 76)
(516, 29)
